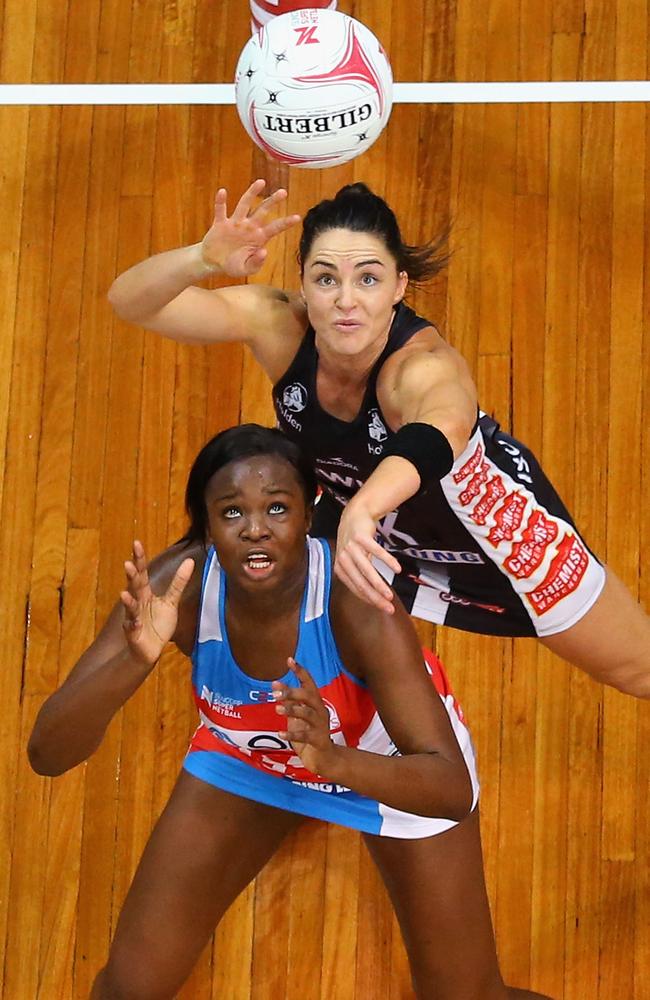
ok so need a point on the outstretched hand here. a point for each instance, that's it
(355, 547)
(308, 720)
(236, 244)
(150, 621)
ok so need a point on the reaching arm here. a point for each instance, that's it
(430, 777)
(421, 386)
(160, 293)
(72, 722)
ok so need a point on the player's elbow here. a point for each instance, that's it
(51, 753)
(41, 761)
(122, 305)
(457, 795)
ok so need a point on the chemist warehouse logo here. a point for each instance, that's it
(294, 397)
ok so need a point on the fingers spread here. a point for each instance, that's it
(280, 225)
(356, 563)
(220, 213)
(247, 200)
(270, 203)
(348, 573)
(373, 548)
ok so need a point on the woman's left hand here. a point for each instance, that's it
(355, 547)
(308, 720)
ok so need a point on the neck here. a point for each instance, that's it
(351, 369)
(270, 606)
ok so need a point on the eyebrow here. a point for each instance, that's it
(362, 263)
(269, 490)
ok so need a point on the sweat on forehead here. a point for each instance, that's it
(242, 444)
(269, 472)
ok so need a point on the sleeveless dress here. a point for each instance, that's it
(490, 548)
(236, 746)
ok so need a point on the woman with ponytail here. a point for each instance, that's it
(427, 497)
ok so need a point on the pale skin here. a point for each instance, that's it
(208, 844)
(349, 285)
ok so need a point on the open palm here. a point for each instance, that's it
(150, 620)
(236, 244)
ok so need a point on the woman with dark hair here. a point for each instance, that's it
(310, 704)
(422, 490)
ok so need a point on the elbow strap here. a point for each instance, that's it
(425, 447)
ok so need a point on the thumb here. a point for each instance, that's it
(182, 577)
(257, 258)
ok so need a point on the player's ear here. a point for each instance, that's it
(402, 282)
(309, 516)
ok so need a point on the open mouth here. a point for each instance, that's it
(258, 564)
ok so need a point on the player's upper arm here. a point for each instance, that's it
(384, 651)
(430, 386)
(240, 313)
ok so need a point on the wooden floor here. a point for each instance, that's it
(547, 295)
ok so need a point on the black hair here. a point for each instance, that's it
(230, 446)
(357, 208)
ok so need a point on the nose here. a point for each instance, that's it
(256, 528)
(345, 297)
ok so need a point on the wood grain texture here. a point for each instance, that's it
(548, 297)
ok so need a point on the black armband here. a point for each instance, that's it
(425, 447)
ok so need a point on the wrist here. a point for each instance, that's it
(332, 764)
(393, 481)
(361, 505)
(204, 268)
(135, 662)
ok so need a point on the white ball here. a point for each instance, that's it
(314, 88)
(263, 10)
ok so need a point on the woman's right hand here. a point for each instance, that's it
(150, 621)
(236, 244)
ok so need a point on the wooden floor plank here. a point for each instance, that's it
(546, 296)
(18, 513)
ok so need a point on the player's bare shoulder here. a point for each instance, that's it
(277, 321)
(426, 360)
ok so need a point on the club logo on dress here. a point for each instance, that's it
(376, 428)
(295, 397)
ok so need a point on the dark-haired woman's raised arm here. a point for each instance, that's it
(161, 293)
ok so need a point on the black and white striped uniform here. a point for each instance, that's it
(490, 548)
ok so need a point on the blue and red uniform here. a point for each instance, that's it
(237, 747)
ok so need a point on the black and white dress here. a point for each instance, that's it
(490, 548)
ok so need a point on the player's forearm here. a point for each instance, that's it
(393, 481)
(72, 722)
(139, 293)
(427, 784)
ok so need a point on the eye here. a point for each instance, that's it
(325, 280)
(369, 280)
(277, 508)
(231, 512)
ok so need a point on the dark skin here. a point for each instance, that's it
(208, 844)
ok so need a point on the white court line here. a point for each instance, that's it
(403, 93)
